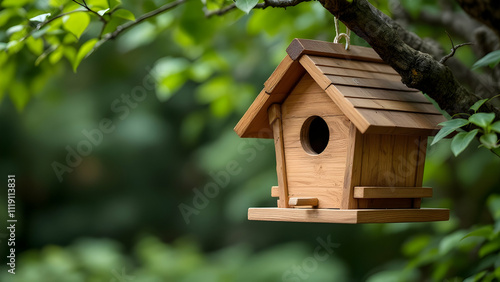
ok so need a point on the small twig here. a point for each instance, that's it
(84, 4)
(453, 49)
(219, 12)
(140, 19)
(267, 3)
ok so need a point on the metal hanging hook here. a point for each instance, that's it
(339, 36)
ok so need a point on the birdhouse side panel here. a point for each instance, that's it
(392, 161)
(309, 114)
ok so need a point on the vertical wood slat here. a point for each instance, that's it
(419, 175)
(353, 168)
(275, 121)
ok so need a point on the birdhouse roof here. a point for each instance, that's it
(367, 90)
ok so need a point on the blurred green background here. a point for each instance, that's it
(116, 216)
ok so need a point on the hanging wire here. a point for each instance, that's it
(339, 36)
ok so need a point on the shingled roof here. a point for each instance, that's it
(368, 91)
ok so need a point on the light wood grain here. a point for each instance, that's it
(305, 201)
(284, 77)
(365, 100)
(308, 91)
(370, 83)
(315, 72)
(300, 47)
(322, 175)
(362, 124)
(351, 64)
(394, 122)
(351, 216)
(392, 192)
(419, 175)
(353, 168)
(255, 122)
(275, 192)
(276, 122)
(382, 94)
(327, 70)
(388, 105)
(389, 161)
(328, 196)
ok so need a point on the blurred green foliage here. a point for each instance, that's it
(116, 215)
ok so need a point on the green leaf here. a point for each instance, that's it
(483, 232)
(40, 18)
(69, 39)
(482, 119)
(14, 29)
(76, 23)
(57, 3)
(246, 5)
(70, 53)
(39, 33)
(451, 242)
(15, 3)
(458, 122)
(19, 95)
(124, 14)
(448, 127)
(489, 140)
(56, 55)
(491, 59)
(496, 151)
(86, 49)
(494, 206)
(5, 16)
(114, 3)
(14, 46)
(462, 140)
(476, 277)
(478, 105)
(102, 12)
(35, 45)
(416, 245)
(489, 248)
(98, 4)
(171, 73)
(496, 126)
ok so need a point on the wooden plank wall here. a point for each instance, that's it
(391, 161)
(319, 176)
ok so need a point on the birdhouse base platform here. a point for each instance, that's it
(351, 216)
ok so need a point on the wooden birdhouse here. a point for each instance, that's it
(350, 138)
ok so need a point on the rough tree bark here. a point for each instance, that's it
(485, 11)
(418, 69)
(460, 26)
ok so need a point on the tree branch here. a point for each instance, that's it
(140, 19)
(485, 11)
(267, 3)
(417, 69)
(84, 5)
(453, 49)
(465, 27)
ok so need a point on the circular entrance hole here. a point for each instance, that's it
(314, 135)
